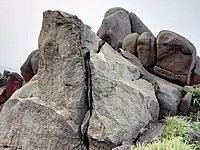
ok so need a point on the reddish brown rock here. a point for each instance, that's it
(176, 57)
(146, 49)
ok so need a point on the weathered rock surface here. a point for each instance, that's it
(28, 123)
(52, 118)
(124, 147)
(153, 133)
(115, 9)
(114, 28)
(169, 97)
(176, 57)
(64, 42)
(30, 66)
(168, 94)
(130, 43)
(185, 104)
(122, 103)
(146, 49)
(144, 73)
(195, 79)
(137, 26)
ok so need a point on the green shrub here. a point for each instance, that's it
(176, 127)
(196, 99)
(167, 144)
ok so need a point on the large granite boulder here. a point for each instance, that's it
(146, 49)
(176, 57)
(64, 43)
(114, 28)
(122, 103)
(169, 95)
(130, 43)
(137, 26)
(29, 123)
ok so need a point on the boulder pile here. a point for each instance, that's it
(87, 91)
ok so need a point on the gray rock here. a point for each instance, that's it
(28, 123)
(64, 44)
(130, 43)
(137, 26)
(153, 133)
(115, 9)
(176, 57)
(144, 73)
(195, 136)
(185, 104)
(52, 119)
(146, 49)
(124, 147)
(122, 103)
(169, 96)
(115, 28)
(195, 79)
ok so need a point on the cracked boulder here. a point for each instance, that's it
(122, 103)
(51, 118)
(176, 57)
(146, 49)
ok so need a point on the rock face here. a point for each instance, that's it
(195, 79)
(146, 49)
(30, 66)
(64, 42)
(122, 103)
(115, 9)
(185, 104)
(137, 26)
(114, 28)
(28, 123)
(130, 43)
(169, 97)
(176, 57)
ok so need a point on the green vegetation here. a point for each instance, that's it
(170, 144)
(177, 133)
(176, 136)
(196, 99)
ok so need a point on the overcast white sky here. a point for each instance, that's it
(20, 21)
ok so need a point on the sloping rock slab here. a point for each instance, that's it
(122, 103)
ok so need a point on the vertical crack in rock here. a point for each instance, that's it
(88, 97)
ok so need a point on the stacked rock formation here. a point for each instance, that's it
(169, 55)
(84, 92)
